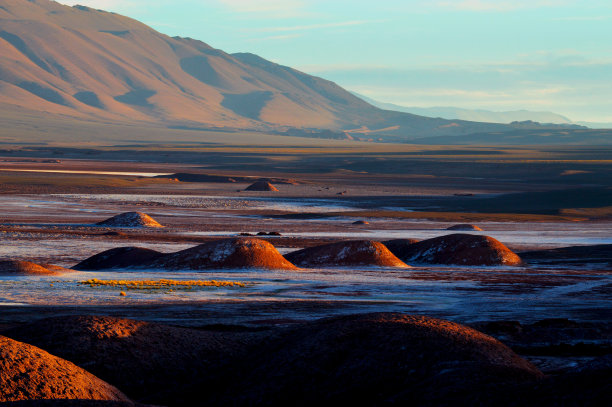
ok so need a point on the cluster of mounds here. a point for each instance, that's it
(351, 253)
(227, 253)
(131, 220)
(27, 268)
(368, 359)
(262, 186)
(460, 249)
(118, 258)
(600, 254)
(465, 227)
(30, 373)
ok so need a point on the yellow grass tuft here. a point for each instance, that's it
(163, 284)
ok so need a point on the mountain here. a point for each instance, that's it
(90, 65)
(478, 115)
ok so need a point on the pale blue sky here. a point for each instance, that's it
(492, 54)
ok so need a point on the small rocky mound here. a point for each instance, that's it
(26, 268)
(118, 258)
(228, 253)
(150, 362)
(377, 359)
(131, 220)
(398, 246)
(351, 253)
(465, 227)
(461, 249)
(361, 222)
(30, 373)
(261, 186)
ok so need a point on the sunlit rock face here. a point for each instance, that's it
(461, 249)
(131, 220)
(351, 253)
(228, 253)
(30, 373)
(27, 268)
(118, 258)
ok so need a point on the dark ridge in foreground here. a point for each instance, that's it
(120, 257)
(228, 253)
(350, 253)
(461, 249)
(150, 362)
(30, 373)
(601, 253)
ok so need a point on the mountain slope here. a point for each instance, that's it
(94, 65)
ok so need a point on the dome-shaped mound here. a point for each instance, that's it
(228, 253)
(465, 227)
(398, 246)
(361, 222)
(261, 186)
(26, 268)
(351, 253)
(379, 359)
(131, 220)
(149, 361)
(30, 373)
(120, 257)
(462, 249)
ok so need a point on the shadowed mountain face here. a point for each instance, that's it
(94, 65)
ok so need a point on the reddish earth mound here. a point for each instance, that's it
(261, 186)
(398, 246)
(150, 362)
(131, 220)
(464, 226)
(361, 222)
(352, 253)
(377, 359)
(461, 249)
(29, 373)
(228, 253)
(120, 257)
(26, 268)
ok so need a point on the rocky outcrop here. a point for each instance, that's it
(350, 253)
(464, 227)
(30, 373)
(228, 253)
(261, 186)
(119, 258)
(461, 249)
(131, 220)
(27, 268)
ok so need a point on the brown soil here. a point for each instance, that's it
(228, 253)
(131, 220)
(26, 268)
(351, 253)
(30, 373)
(465, 226)
(261, 186)
(121, 257)
(461, 249)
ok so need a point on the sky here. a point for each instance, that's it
(545, 55)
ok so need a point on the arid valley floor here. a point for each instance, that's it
(553, 309)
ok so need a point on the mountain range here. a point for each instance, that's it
(95, 66)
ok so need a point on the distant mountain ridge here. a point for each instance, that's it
(98, 66)
(479, 115)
